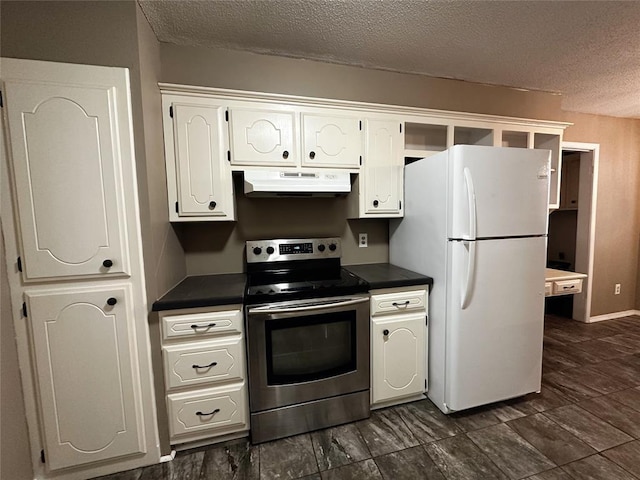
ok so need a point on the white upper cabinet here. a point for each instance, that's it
(203, 172)
(66, 151)
(294, 137)
(196, 142)
(331, 141)
(382, 166)
(86, 359)
(263, 137)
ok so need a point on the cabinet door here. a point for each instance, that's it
(85, 362)
(331, 141)
(263, 137)
(66, 152)
(398, 356)
(381, 186)
(203, 173)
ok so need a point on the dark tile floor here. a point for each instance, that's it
(585, 424)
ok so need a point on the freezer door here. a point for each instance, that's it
(494, 320)
(497, 192)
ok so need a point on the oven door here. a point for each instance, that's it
(307, 350)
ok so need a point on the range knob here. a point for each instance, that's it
(257, 251)
(333, 247)
(270, 250)
(321, 248)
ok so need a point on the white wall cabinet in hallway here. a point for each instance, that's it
(79, 304)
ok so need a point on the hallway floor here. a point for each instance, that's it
(585, 424)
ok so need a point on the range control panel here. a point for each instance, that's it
(292, 249)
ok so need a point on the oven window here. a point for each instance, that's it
(310, 348)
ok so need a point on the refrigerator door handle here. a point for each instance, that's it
(471, 199)
(471, 273)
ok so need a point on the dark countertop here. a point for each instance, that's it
(228, 288)
(385, 275)
(204, 291)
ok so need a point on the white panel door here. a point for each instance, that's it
(495, 318)
(204, 174)
(498, 192)
(382, 168)
(398, 356)
(86, 369)
(331, 141)
(263, 137)
(66, 159)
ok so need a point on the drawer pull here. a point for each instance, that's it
(201, 414)
(403, 304)
(212, 364)
(195, 327)
(568, 287)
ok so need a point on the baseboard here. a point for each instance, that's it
(168, 458)
(611, 316)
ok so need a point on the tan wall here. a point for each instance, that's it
(617, 252)
(15, 461)
(217, 247)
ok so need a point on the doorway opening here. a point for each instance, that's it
(572, 227)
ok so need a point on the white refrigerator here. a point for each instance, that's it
(476, 221)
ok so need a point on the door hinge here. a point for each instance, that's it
(226, 115)
(19, 264)
(171, 111)
(42, 459)
(24, 310)
(228, 155)
(177, 209)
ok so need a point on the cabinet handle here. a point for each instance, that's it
(285, 154)
(212, 205)
(111, 301)
(375, 203)
(195, 327)
(312, 155)
(403, 304)
(107, 263)
(201, 414)
(385, 332)
(212, 364)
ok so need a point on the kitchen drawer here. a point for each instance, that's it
(201, 324)
(566, 287)
(207, 413)
(398, 302)
(201, 362)
(548, 288)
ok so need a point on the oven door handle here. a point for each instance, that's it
(305, 307)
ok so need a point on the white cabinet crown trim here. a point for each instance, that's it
(401, 110)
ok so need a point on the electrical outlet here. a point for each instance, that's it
(617, 289)
(363, 240)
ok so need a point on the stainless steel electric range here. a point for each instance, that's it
(307, 338)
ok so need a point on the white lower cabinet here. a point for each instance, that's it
(398, 346)
(205, 373)
(208, 412)
(86, 371)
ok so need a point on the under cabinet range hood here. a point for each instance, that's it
(274, 183)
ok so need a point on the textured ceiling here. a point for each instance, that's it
(587, 51)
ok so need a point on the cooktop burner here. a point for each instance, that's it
(280, 270)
